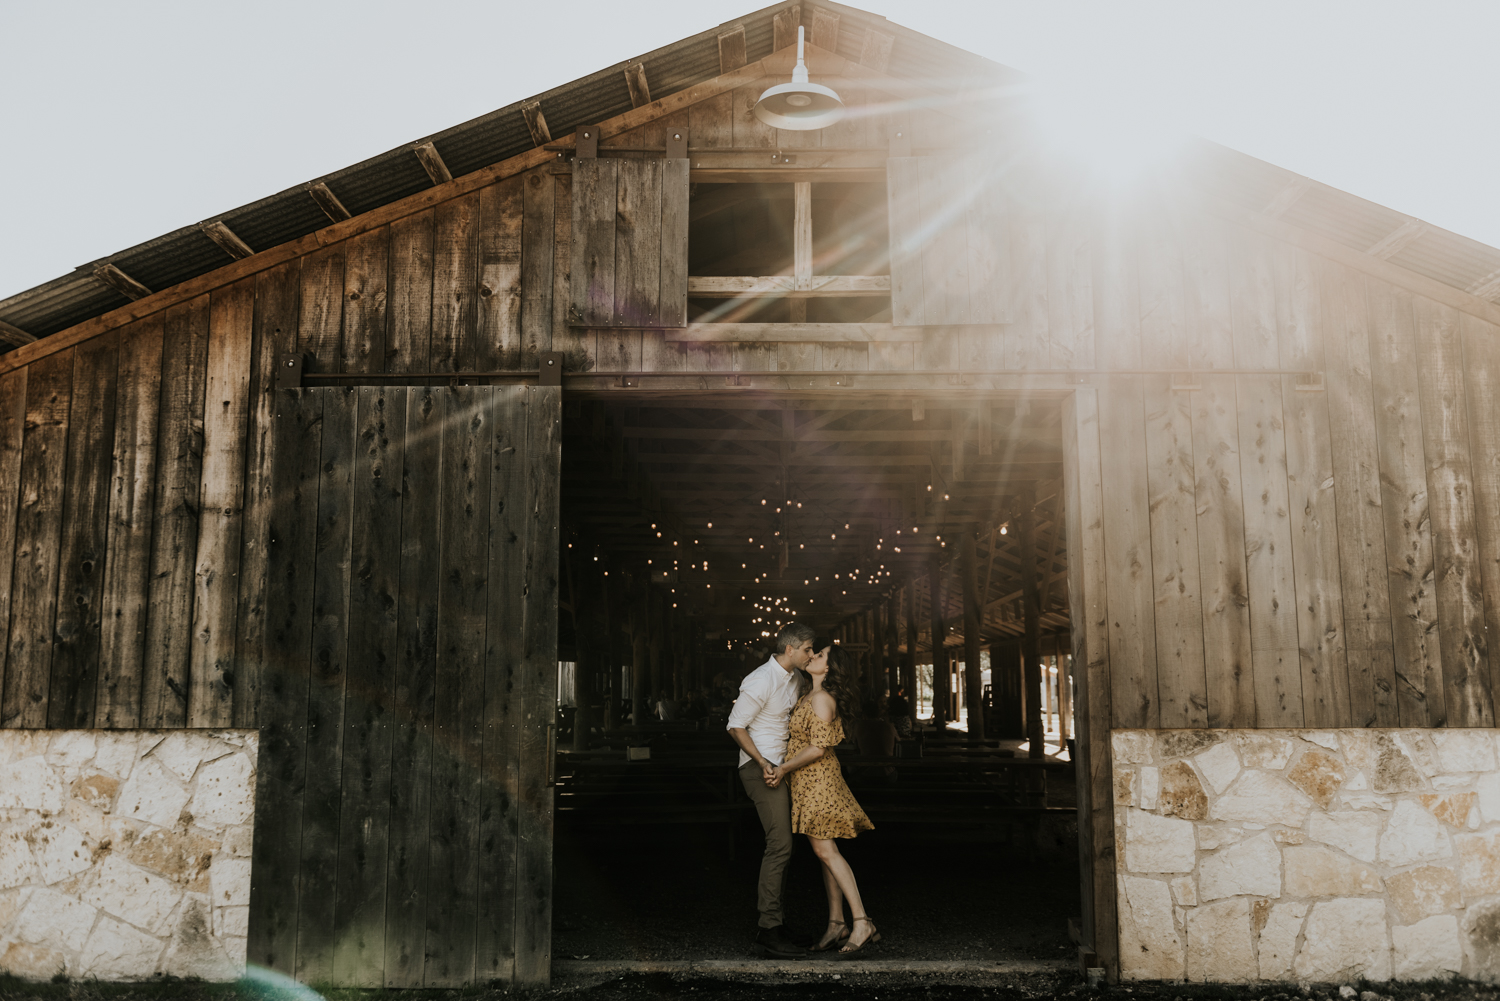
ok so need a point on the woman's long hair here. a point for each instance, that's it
(841, 681)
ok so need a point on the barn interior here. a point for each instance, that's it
(693, 527)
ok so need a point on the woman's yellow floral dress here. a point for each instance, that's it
(822, 805)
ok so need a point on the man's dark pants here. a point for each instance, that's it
(774, 806)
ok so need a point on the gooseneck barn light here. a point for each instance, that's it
(799, 106)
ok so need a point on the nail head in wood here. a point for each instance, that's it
(677, 143)
(551, 366)
(121, 282)
(226, 239)
(586, 142)
(328, 201)
(432, 162)
(289, 370)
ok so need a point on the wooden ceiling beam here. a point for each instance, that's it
(14, 335)
(1396, 240)
(432, 162)
(328, 201)
(225, 238)
(635, 82)
(536, 122)
(122, 283)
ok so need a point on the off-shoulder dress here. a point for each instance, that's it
(822, 805)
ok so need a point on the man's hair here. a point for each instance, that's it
(793, 634)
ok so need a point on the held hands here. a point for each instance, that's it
(775, 775)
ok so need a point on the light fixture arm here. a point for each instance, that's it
(799, 72)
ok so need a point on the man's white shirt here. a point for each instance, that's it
(765, 703)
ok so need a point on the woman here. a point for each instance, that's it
(822, 806)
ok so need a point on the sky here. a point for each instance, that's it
(122, 122)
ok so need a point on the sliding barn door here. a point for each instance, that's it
(630, 242)
(403, 820)
(951, 230)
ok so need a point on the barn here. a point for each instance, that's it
(302, 508)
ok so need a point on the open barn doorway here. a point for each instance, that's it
(926, 536)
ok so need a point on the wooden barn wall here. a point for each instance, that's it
(1275, 555)
(1278, 555)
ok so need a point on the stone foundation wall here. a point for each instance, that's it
(1308, 854)
(125, 854)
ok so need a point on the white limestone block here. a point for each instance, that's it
(1278, 939)
(1149, 946)
(116, 951)
(115, 752)
(1315, 871)
(60, 851)
(1323, 738)
(55, 919)
(1184, 891)
(1479, 863)
(183, 751)
(225, 792)
(71, 748)
(1253, 868)
(1212, 837)
(1264, 798)
(17, 867)
(231, 921)
(1356, 832)
(1488, 788)
(1413, 835)
(1219, 764)
(31, 784)
(1159, 844)
(1430, 948)
(1345, 940)
(134, 895)
(152, 794)
(1150, 787)
(1263, 750)
(1218, 942)
(194, 952)
(1131, 747)
(1465, 750)
(229, 881)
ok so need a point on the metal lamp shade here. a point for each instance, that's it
(799, 107)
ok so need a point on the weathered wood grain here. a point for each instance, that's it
(127, 561)
(537, 679)
(274, 331)
(84, 541)
(455, 284)
(412, 723)
(502, 280)
(221, 506)
(638, 243)
(318, 932)
(1420, 695)
(12, 435)
(374, 589)
(673, 247)
(1480, 342)
(281, 772)
(749, 131)
(175, 523)
(1084, 507)
(1171, 482)
(499, 789)
(710, 122)
(1457, 562)
(1262, 445)
(408, 338)
(321, 318)
(593, 261)
(366, 273)
(39, 519)
(1363, 574)
(576, 344)
(1310, 491)
(458, 702)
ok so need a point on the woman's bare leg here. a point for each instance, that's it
(835, 928)
(834, 863)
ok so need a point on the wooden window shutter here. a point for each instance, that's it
(630, 243)
(950, 242)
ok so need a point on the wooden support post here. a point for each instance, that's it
(587, 650)
(973, 680)
(877, 654)
(639, 628)
(909, 662)
(1031, 613)
(942, 688)
(892, 643)
(1064, 694)
(654, 633)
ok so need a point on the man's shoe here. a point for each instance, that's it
(772, 943)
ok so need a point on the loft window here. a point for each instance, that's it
(800, 252)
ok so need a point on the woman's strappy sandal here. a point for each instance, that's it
(846, 951)
(834, 942)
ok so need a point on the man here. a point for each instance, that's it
(758, 724)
